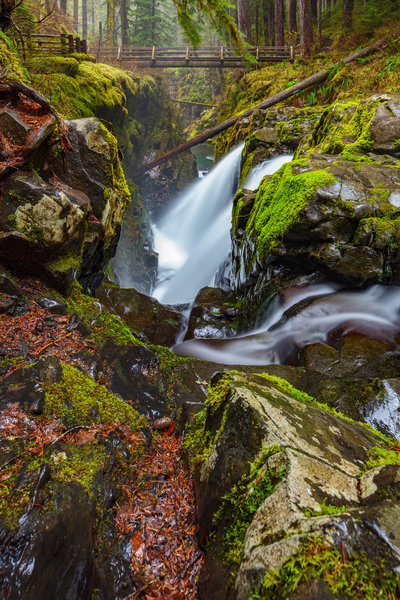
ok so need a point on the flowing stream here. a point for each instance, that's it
(308, 318)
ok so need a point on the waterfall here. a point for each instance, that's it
(193, 239)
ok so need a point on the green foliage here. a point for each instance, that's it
(325, 509)
(239, 506)
(79, 400)
(153, 23)
(10, 59)
(358, 578)
(379, 456)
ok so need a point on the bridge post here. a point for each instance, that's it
(291, 54)
(187, 54)
(222, 53)
(119, 54)
(153, 53)
(71, 44)
(257, 53)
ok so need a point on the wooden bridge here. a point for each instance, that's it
(157, 57)
(184, 56)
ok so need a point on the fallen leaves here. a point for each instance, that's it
(159, 513)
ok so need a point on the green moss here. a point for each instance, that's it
(79, 400)
(54, 64)
(10, 59)
(104, 325)
(65, 264)
(81, 463)
(379, 456)
(198, 440)
(325, 509)
(357, 578)
(239, 506)
(279, 203)
(82, 57)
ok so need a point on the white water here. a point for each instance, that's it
(376, 310)
(268, 167)
(384, 413)
(193, 239)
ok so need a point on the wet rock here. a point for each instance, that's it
(150, 320)
(135, 247)
(13, 127)
(70, 229)
(162, 424)
(320, 458)
(53, 305)
(212, 315)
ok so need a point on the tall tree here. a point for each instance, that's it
(110, 22)
(63, 6)
(292, 16)
(279, 23)
(76, 15)
(347, 16)
(84, 19)
(123, 15)
(305, 28)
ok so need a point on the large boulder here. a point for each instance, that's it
(61, 213)
(333, 210)
(278, 476)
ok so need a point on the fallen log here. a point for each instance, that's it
(275, 99)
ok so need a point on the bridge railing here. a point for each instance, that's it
(55, 44)
(157, 56)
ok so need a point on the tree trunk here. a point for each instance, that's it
(305, 28)
(279, 23)
(84, 19)
(292, 16)
(63, 6)
(347, 16)
(93, 19)
(110, 22)
(76, 15)
(123, 13)
(271, 28)
(275, 99)
(319, 18)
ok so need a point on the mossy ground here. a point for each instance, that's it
(79, 400)
(105, 326)
(355, 577)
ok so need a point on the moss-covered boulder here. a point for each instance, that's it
(61, 215)
(58, 528)
(334, 209)
(277, 473)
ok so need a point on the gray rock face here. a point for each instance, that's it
(322, 459)
(13, 127)
(66, 224)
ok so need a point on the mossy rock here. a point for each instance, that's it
(54, 64)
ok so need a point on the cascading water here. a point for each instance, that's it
(268, 167)
(375, 311)
(192, 240)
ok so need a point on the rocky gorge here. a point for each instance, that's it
(295, 465)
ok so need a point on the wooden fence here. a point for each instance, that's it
(55, 45)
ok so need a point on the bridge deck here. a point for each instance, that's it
(179, 56)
